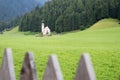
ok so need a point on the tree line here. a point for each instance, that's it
(67, 15)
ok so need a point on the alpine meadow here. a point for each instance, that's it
(75, 27)
(102, 44)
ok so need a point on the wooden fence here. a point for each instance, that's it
(53, 72)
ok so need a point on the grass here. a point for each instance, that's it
(102, 44)
(15, 31)
(105, 23)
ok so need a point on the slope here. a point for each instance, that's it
(102, 44)
(15, 31)
(105, 23)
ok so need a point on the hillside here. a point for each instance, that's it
(102, 24)
(68, 15)
(15, 31)
(105, 23)
(103, 46)
(10, 9)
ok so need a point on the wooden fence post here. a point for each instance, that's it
(85, 69)
(7, 70)
(28, 71)
(53, 71)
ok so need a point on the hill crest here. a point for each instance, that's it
(105, 23)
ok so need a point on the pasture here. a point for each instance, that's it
(102, 44)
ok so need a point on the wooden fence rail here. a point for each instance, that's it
(84, 71)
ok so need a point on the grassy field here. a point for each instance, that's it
(105, 23)
(102, 44)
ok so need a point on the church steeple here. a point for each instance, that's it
(42, 21)
(42, 26)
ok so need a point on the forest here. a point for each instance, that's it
(68, 15)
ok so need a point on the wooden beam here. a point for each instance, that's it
(7, 70)
(53, 71)
(85, 69)
(28, 71)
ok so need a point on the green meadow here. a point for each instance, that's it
(101, 41)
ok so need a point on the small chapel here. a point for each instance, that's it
(45, 30)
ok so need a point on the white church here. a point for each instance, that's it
(45, 30)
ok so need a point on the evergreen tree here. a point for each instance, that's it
(67, 15)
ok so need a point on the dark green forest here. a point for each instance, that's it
(68, 15)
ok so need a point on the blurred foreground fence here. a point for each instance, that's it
(53, 72)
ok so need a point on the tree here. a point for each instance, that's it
(67, 15)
